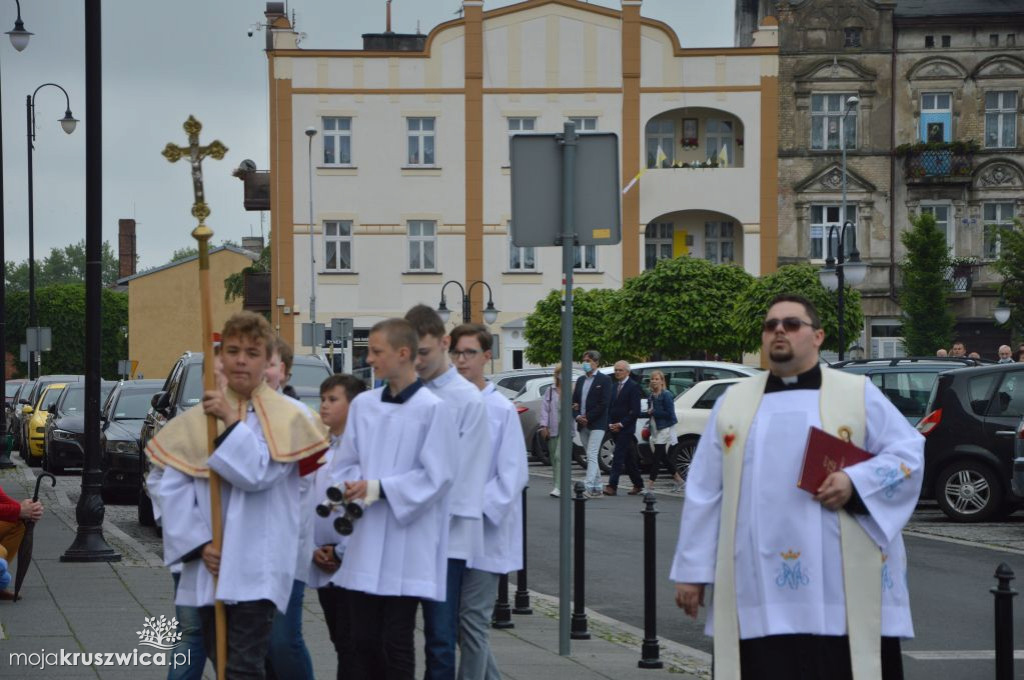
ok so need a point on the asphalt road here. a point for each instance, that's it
(950, 573)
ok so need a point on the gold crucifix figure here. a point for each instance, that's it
(196, 154)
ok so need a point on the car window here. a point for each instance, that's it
(718, 374)
(978, 390)
(544, 389)
(11, 389)
(175, 378)
(132, 405)
(50, 397)
(309, 375)
(708, 399)
(192, 391)
(680, 379)
(907, 390)
(1008, 401)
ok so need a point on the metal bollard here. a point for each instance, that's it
(502, 616)
(649, 652)
(1004, 595)
(522, 605)
(579, 616)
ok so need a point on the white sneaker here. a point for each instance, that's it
(555, 493)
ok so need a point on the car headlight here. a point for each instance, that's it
(122, 447)
(63, 435)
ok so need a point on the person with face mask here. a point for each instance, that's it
(590, 409)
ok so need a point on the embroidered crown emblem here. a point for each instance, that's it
(790, 555)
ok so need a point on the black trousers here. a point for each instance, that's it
(622, 456)
(335, 603)
(382, 637)
(810, 657)
(248, 631)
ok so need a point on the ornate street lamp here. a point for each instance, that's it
(490, 312)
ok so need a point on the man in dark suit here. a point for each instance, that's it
(623, 410)
(590, 408)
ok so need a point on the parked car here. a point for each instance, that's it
(35, 426)
(970, 431)
(64, 432)
(906, 381)
(123, 415)
(183, 389)
(511, 383)
(30, 398)
(11, 390)
(14, 424)
(528, 403)
(1017, 482)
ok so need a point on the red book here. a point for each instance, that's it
(824, 455)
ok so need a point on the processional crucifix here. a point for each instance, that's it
(202, 234)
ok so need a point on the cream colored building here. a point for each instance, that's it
(163, 308)
(411, 180)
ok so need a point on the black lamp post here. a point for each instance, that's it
(68, 123)
(490, 312)
(19, 39)
(837, 271)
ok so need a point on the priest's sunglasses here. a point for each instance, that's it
(790, 324)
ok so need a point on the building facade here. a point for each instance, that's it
(927, 96)
(409, 160)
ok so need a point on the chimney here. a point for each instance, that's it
(389, 41)
(254, 244)
(126, 253)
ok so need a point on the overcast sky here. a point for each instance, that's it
(164, 60)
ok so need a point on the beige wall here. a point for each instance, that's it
(163, 311)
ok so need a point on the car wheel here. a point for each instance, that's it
(968, 491)
(50, 467)
(605, 455)
(682, 455)
(146, 518)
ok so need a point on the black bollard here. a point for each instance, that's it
(1004, 595)
(649, 652)
(522, 605)
(502, 616)
(579, 616)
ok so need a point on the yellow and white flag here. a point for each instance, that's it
(723, 157)
(657, 163)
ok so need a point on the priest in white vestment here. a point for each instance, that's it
(804, 585)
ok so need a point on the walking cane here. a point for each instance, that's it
(202, 234)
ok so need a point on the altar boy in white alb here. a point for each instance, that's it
(395, 457)
(502, 549)
(808, 586)
(266, 440)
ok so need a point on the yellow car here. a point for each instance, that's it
(37, 422)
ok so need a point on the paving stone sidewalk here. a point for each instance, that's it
(75, 607)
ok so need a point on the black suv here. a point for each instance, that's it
(64, 432)
(969, 432)
(906, 381)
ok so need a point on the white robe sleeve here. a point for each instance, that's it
(474, 464)
(696, 549)
(185, 526)
(156, 473)
(505, 487)
(889, 484)
(244, 462)
(409, 492)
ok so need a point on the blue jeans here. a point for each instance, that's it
(441, 626)
(287, 656)
(191, 642)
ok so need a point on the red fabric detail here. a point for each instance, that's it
(311, 463)
(10, 509)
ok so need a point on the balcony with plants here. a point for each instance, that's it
(938, 162)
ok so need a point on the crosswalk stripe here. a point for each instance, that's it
(958, 655)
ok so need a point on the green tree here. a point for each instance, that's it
(680, 309)
(1010, 266)
(62, 308)
(184, 253)
(62, 265)
(591, 327)
(800, 279)
(234, 284)
(927, 319)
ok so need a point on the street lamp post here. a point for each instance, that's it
(311, 132)
(490, 312)
(68, 123)
(19, 39)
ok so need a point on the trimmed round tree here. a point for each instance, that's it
(591, 328)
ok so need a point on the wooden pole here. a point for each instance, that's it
(202, 235)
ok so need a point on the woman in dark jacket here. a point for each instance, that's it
(662, 408)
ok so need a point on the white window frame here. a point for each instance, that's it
(950, 222)
(991, 226)
(420, 243)
(588, 263)
(416, 130)
(517, 124)
(819, 228)
(658, 235)
(333, 138)
(997, 115)
(340, 241)
(828, 115)
(664, 136)
(714, 132)
(584, 123)
(518, 256)
(719, 239)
